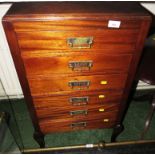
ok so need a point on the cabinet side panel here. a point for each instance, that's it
(13, 44)
(133, 67)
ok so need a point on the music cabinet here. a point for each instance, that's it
(76, 61)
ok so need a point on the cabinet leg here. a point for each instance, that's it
(116, 131)
(39, 137)
(149, 118)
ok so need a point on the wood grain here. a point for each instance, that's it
(37, 33)
(43, 10)
(74, 25)
(59, 84)
(66, 127)
(54, 40)
(48, 64)
(15, 51)
(65, 112)
(49, 125)
(64, 99)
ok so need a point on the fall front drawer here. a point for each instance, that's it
(61, 84)
(73, 126)
(49, 63)
(76, 111)
(79, 99)
(70, 124)
(70, 40)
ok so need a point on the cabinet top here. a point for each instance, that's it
(43, 9)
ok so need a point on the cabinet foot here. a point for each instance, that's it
(116, 131)
(39, 137)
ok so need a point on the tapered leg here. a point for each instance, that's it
(39, 137)
(116, 131)
(149, 118)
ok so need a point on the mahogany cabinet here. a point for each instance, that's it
(76, 61)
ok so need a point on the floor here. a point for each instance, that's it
(133, 123)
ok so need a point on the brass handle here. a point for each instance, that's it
(79, 65)
(78, 112)
(78, 124)
(79, 84)
(80, 42)
(77, 101)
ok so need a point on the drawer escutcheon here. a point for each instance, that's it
(80, 42)
(80, 65)
(78, 112)
(79, 124)
(79, 84)
(77, 101)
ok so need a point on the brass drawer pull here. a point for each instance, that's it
(77, 101)
(80, 65)
(78, 112)
(79, 124)
(79, 84)
(80, 42)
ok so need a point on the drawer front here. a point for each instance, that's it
(79, 100)
(73, 40)
(87, 111)
(57, 85)
(70, 124)
(48, 64)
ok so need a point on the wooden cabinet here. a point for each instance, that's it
(76, 61)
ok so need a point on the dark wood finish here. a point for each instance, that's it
(117, 130)
(149, 117)
(37, 33)
(48, 9)
(39, 137)
(133, 67)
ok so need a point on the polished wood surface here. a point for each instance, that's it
(88, 111)
(105, 120)
(39, 38)
(77, 24)
(53, 126)
(60, 84)
(48, 64)
(50, 40)
(69, 8)
(94, 98)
